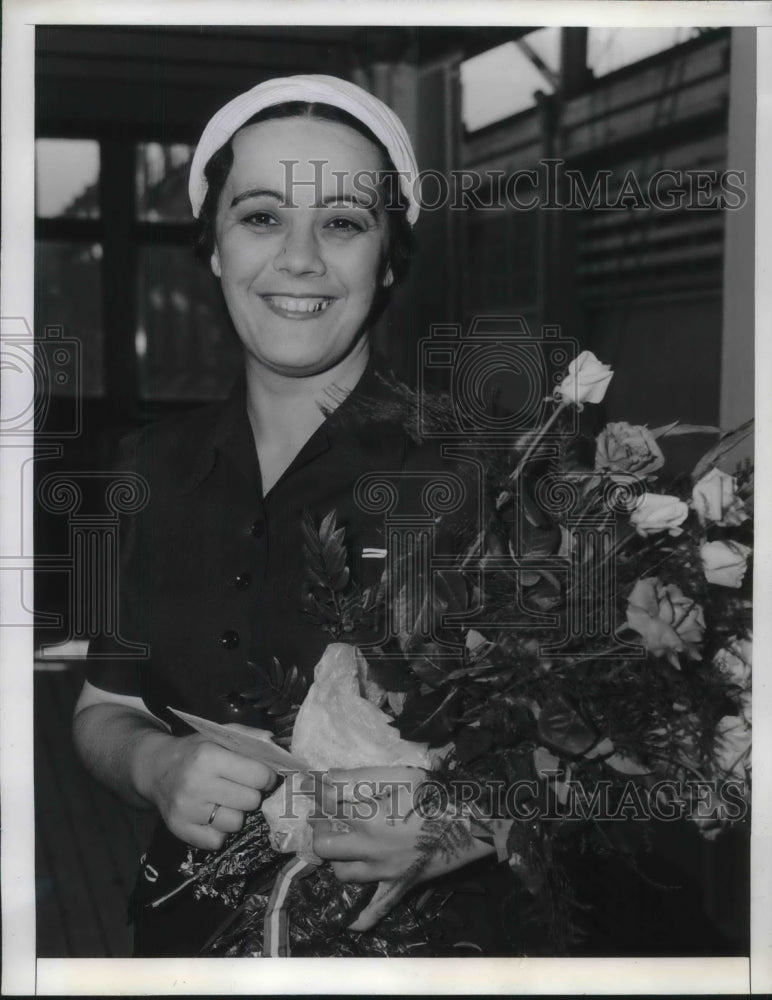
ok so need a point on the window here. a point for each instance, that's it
(68, 264)
(611, 48)
(185, 349)
(115, 270)
(67, 179)
(502, 81)
(162, 182)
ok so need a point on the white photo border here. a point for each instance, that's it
(23, 973)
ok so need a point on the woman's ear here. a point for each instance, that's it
(388, 278)
(214, 262)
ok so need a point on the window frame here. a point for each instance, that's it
(122, 236)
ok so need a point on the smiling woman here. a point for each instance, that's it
(298, 220)
(300, 273)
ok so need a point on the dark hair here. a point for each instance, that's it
(401, 242)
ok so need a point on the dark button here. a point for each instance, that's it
(258, 528)
(244, 581)
(230, 639)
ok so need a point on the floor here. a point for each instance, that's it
(87, 843)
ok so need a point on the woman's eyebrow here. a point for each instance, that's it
(257, 193)
(334, 199)
(348, 199)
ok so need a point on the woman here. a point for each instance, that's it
(307, 238)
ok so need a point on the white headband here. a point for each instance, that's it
(379, 118)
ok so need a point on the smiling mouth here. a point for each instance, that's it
(297, 305)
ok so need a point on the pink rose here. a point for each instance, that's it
(655, 512)
(668, 622)
(715, 501)
(724, 563)
(623, 447)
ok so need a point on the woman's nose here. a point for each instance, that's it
(300, 253)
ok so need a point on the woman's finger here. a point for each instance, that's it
(252, 773)
(334, 843)
(385, 897)
(234, 796)
(205, 837)
(222, 818)
(350, 871)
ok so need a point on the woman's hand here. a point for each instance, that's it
(187, 777)
(375, 834)
(132, 752)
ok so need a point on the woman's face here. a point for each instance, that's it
(299, 247)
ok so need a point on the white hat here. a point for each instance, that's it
(315, 89)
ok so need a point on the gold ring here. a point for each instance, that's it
(212, 816)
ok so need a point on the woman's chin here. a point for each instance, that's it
(304, 363)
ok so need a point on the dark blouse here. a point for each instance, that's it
(212, 572)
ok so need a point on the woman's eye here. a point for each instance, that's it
(342, 224)
(262, 220)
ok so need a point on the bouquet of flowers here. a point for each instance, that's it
(581, 659)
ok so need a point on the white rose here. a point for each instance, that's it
(725, 563)
(732, 746)
(655, 512)
(668, 621)
(715, 501)
(586, 381)
(745, 706)
(734, 662)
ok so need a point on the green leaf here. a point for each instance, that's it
(626, 765)
(430, 718)
(562, 727)
(451, 591)
(725, 443)
(289, 682)
(276, 673)
(327, 527)
(472, 742)
(391, 674)
(676, 428)
(277, 690)
(327, 611)
(341, 581)
(375, 595)
(334, 558)
(316, 578)
(428, 671)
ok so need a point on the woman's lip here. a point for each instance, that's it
(297, 306)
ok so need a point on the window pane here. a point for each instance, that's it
(611, 48)
(162, 182)
(185, 346)
(502, 81)
(66, 178)
(68, 293)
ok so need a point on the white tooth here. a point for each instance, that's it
(300, 305)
